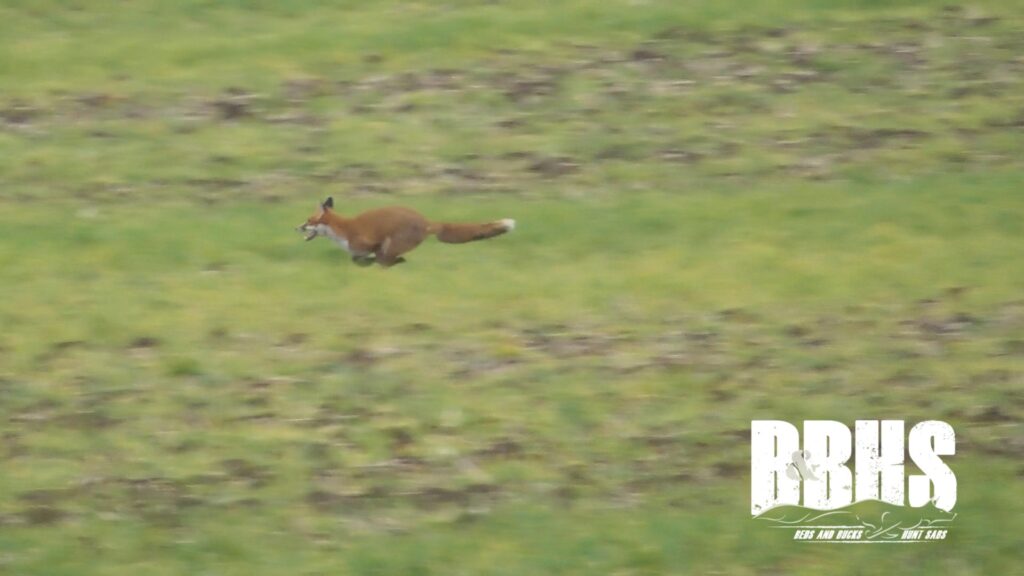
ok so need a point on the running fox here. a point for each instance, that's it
(384, 234)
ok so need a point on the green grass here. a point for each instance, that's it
(68, 44)
(796, 214)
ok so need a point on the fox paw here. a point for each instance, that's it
(364, 261)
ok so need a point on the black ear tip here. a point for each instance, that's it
(329, 203)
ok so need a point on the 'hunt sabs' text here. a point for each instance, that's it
(779, 466)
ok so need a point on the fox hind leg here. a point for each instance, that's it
(392, 262)
(394, 246)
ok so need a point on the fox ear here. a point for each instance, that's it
(329, 203)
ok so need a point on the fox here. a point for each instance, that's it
(384, 235)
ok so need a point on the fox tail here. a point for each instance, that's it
(459, 233)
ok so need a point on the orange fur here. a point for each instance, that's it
(383, 235)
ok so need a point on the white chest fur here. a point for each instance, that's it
(340, 240)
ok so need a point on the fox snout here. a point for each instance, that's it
(310, 231)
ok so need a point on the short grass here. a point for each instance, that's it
(725, 213)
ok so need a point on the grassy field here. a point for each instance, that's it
(727, 211)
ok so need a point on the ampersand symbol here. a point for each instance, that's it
(799, 469)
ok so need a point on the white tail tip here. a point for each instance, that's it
(508, 223)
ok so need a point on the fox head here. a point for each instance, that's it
(315, 223)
